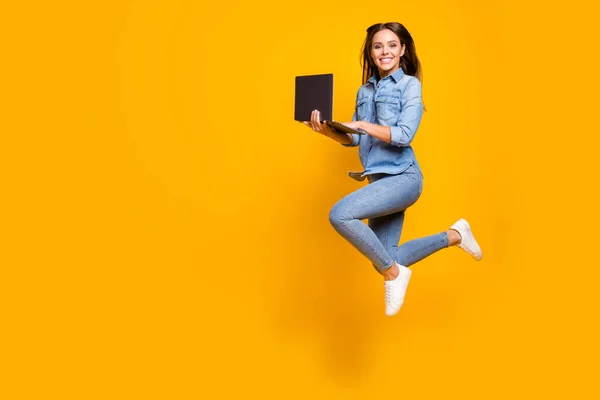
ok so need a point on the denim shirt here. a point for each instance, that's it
(394, 101)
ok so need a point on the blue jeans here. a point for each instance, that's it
(383, 202)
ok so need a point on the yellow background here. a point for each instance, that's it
(164, 220)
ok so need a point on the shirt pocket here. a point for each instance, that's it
(387, 108)
(362, 109)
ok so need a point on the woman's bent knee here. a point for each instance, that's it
(336, 217)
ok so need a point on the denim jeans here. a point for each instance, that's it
(383, 202)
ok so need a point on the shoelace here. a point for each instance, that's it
(388, 294)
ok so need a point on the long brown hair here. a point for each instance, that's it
(409, 62)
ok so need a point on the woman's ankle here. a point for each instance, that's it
(454, 237)
(391, 273)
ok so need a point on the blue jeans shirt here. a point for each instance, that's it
(394, 101)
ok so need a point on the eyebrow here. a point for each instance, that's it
(390, 41)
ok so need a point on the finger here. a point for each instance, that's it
(318, 120)
(313, 120)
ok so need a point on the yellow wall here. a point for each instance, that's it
(164, 221)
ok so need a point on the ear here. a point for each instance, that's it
(402, 50)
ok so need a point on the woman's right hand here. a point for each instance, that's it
(316, 125)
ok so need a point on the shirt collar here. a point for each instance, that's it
(396, 76)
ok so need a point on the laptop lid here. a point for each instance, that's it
(314, 92)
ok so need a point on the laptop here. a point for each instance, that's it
(315, 92)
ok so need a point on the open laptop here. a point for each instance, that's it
(315, 92)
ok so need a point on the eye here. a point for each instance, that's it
(393, 45)
(377, 47)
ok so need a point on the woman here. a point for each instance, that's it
(388, 111)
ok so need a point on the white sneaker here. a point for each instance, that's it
(468, 242)
(395, 290)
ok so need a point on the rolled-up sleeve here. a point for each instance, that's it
(355, 137)
(410, 116)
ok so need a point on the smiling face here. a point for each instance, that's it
(386, 51)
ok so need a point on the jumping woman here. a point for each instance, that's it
(388, 111)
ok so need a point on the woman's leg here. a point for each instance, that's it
(417, 249)
(385, 196)
(389, 228)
